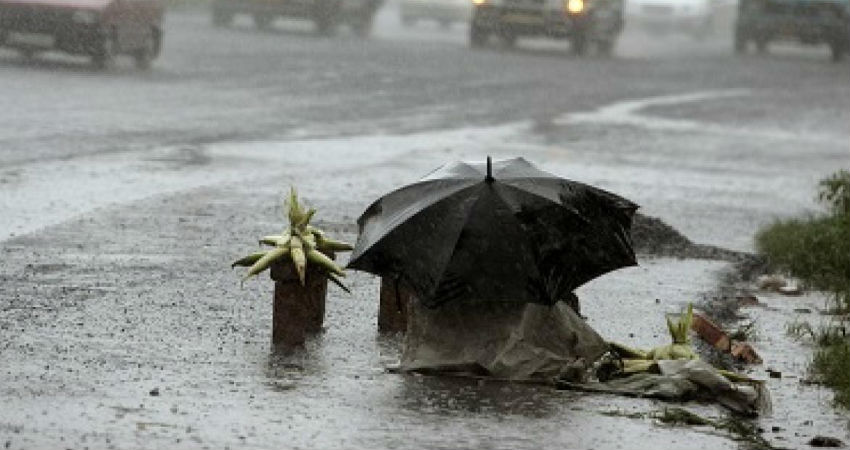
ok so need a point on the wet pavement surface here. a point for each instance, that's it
(124, 196)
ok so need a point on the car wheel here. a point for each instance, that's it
(761, 45)
(578, 44)
(700, 33)
(740, 41)
(104, 57)
(325, 26)
(478, 37)
(605, 47)
(325, 18)
(147, 52)
(262, 21)
(837, 49)
(221, 18)
(26, 53)
(508, 39)
(362, 26)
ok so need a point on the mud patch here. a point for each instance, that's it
(652, 236)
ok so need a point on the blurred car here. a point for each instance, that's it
(325, 14)
(582, 22)
(444, 12)
(100, 29)
(693, 17)
(809, 22)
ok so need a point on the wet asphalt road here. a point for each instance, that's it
(123, 196)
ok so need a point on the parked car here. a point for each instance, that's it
(582, 22)
(444, 12)
(326, 14)
(692, 17)
(809, 22)
(100, 29)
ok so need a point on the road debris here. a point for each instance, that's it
(826, 441)
(675, 372)
(780, 284)
(711, 333)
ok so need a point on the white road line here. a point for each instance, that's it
(630, 113)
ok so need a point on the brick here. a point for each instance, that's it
(745, 352)
(710, 332)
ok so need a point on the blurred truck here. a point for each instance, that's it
(809, 22)
(327, 15)
(584, 23)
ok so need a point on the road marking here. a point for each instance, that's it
(628, 112)
(631, 113)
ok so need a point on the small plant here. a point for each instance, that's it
(815, 250)
(681, 346)
(831, 334)
(835, 191)
(831, 363)
(800, 330)
(301, 243)
(745, 332)
(636, 360)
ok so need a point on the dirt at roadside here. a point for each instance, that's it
(652, 236)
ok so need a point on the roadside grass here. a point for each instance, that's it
(816, 250)
(832, 364)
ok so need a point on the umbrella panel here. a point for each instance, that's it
(492, 260)
(418, 249)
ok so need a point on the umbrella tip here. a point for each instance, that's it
(489, 178)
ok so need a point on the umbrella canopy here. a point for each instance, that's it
(505, 231)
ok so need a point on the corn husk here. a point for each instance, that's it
(303, 243)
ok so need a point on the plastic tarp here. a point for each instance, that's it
(534, 342)
(518, 341)
(683, 380)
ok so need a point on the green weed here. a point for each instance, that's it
(816, 250)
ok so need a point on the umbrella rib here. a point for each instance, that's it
(525, 239)
(510, 191)
(621, 202)
(456, 239)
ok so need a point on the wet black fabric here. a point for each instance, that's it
(523, 235)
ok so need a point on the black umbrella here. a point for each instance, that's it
(505, 231)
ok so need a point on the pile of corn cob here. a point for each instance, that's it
(636, 360)
(301, 243)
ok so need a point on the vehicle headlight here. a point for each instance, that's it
(574, 6)
(479, 2)
(84, 17)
